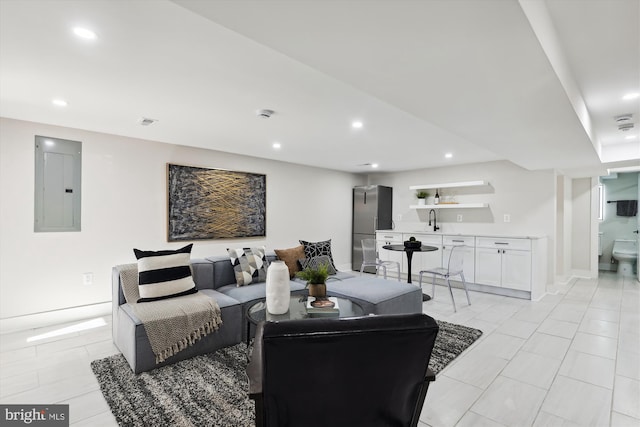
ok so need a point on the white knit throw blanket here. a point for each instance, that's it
(174, 324)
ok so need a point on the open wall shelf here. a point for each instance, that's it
(451, 206)
(449, 185)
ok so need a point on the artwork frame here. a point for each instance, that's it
(209, 204)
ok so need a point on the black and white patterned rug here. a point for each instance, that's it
(212, 389)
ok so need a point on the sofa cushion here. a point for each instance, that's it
(249, 265)
(314, 249)
(255, 291)
(377, 295)
(164, 274)
(222, 299)
(290, 257)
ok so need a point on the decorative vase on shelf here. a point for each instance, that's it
(278, 291)
(421, 201)
(318, 290)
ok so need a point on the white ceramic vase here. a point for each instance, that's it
(277, 289)
(421, 201)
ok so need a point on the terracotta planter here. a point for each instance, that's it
(318, 290)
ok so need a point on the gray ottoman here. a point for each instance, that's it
(378, 296)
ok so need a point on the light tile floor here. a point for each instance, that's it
(571, 359)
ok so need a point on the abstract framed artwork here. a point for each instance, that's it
(215, 203)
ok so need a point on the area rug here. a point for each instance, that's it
(211, 390)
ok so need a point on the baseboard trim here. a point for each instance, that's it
(54, 317)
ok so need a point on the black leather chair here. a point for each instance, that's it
(364, 371)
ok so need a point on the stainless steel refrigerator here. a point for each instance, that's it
(371, 212)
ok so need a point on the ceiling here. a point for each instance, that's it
(534, 82)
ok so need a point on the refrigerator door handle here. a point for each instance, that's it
(375, 223)
(365, 197)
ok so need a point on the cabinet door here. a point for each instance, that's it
(488, 266)
(516, 269)
(426, 260)
(469, 262)
(389, 239)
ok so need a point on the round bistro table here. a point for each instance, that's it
(409, 252)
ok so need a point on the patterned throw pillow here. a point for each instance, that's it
(316, 262)
(164, 274)
(314, 249)
(249, 264)
(290, 257)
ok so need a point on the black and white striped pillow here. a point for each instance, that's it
(164, 274)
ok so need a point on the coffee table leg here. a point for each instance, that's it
(248, 338)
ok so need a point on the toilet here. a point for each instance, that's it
(626, 252)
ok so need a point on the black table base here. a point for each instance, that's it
(409, 252)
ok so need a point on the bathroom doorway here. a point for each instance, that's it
(619, 221)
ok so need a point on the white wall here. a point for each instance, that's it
(581, 235)
(563, 228)
(124, 206)
(529, 197)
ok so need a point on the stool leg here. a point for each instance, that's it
(464, 284)
(433, 286)
(451, 292)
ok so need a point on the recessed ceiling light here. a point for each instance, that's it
(84, 33)
(630, 137)
(374, 165)
(632, 95)
(448, 155)
(146, 121)
(356, 125)
(277, 145)
(59, 102)
(264, 113)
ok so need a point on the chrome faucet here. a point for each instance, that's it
(435, 228)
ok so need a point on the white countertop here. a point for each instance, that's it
(440, 233)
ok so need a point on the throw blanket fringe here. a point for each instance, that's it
(193, 337)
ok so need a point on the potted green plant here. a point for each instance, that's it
(316, 279)
(422, 195)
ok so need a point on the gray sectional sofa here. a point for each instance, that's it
(214, 276)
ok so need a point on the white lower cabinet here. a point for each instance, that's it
(516, 269)
(488, 266)
(507, 266)
(504, 262)
(469, 264)
(389, 238)
(425, 260)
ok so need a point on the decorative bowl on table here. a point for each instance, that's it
(412, 244)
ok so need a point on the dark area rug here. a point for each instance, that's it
(211, 390)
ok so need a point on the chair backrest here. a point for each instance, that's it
(456, 259)
(365, 371)
(369, 250)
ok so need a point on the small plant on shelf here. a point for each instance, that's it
(422, 194)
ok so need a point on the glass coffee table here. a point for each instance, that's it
(257, 312)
